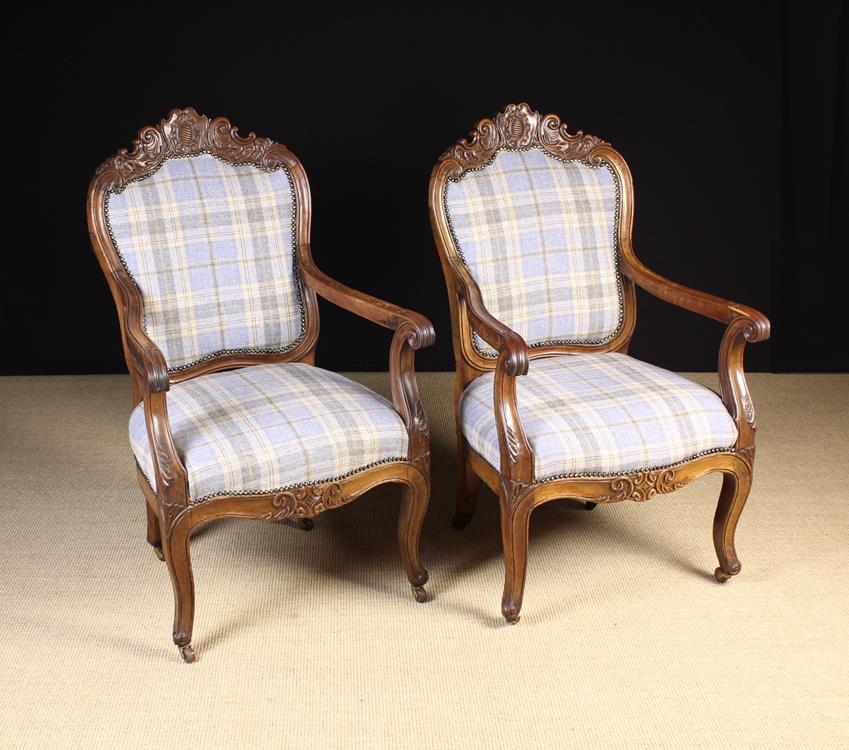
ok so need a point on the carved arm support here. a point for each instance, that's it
(413, 331)
(745, 324)
(517, 462)
(151, 379)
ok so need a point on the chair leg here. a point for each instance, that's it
(467, 486)
(515, 524)
(414, 501)
(732, 498)
(154, 532)
(180, 567)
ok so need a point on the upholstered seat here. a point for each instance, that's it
(603, 413)
(269, 427)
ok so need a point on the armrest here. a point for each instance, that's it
(702, 303)
(517, 461)
(413, 331)
(362, 304)
(172, 487)
(745, 324)
(148, 359)
(505, 340)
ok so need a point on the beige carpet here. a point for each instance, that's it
(313, 640)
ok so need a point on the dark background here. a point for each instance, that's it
(733, 119)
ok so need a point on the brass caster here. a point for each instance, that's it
(187, 652)
(157, 550)
(511, 614)
(722, 576)
(420, 593)
(590, 506)
(306, 524)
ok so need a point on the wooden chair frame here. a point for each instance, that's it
(519, 127)
(171, 518)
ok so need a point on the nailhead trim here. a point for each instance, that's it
(629, 472)
(220, 352)
(616, 217)
(288, 488)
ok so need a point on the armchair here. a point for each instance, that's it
(203, 236)
(533, 227)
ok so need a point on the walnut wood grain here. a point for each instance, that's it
(519, 126)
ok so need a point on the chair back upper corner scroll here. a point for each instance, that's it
(519, 128)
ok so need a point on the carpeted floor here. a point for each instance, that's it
(313, 640)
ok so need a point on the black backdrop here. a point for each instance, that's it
(732, 119)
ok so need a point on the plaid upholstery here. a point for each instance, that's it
(601, 414)
(539, 237)
(211, 248)
(269, 427)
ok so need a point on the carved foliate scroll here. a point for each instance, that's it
(518, 126)
(184, 132)
(642, 486)
(305, 502)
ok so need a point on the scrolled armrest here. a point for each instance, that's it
(516, 457)
(694, 300)
(744, 324)
(497, 335)
(149, 361)
(420, 330)
(413, 331)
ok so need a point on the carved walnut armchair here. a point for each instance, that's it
(533, 227)
(204, 239)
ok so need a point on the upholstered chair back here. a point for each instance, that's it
(211, 247)
(538, 234)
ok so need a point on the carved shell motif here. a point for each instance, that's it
(643, 486)
(305, 502)
(184, 132)
(519, 126)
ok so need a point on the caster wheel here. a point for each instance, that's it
(420, 593)
(590, 506)
(722, 576)
(511, 614)
(160, 555)
(458, 523)
(188, 653)
(306, 524)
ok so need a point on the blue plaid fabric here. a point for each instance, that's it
(601, 414)
(211, 248)
(269, 427)
(539, 237)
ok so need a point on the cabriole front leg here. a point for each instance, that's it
(515, 525)
(732, 498)
(180, 568)
(415, 497)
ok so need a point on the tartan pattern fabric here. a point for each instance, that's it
(538, 235)
(605, 414)
(211, 248)
(270, 427)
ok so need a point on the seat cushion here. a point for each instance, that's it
(270, 427)
(538, 234)
(590, 414)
